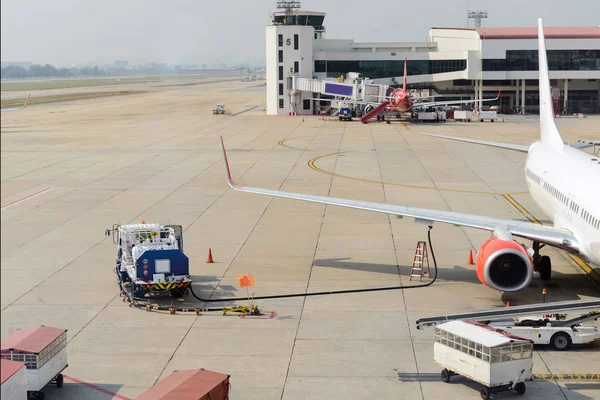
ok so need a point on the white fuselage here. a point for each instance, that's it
(565, 184)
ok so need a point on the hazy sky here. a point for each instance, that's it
(64, 32)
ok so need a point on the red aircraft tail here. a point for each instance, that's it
(404, 82)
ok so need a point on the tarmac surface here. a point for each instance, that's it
(69, 171)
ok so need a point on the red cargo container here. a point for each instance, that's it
(196, 384)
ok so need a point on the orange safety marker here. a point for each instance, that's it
(245, 280)
(470, 262)
(210, 257)
(507, 303)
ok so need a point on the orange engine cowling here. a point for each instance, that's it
(504, 265)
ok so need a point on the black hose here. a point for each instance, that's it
(287, 296)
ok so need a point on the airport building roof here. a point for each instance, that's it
(552, 32)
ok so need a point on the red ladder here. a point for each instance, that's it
(374, 112)
(420, 261)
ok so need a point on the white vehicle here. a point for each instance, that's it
(553, 329)
(43, 349)
(150, 259)
(562, 180)
(427, 116)
(220, 109)
(491, 115)
(463, 115)
(497, 360)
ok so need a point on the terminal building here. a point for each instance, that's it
(453, 63)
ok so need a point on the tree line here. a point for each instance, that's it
(47, 71)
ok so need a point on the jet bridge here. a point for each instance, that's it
(561, 307)
(354, 89)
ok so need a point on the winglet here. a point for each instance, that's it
(549, 132)
(230, 181)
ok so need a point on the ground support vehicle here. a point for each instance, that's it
(496, 359)
(43, 350)
(150, 259)
(219, 109)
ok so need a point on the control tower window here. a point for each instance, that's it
(280, 103)
(280, 40)
(280, 56)
(280, 73)
(296, 42)
(296, 67)
(281, 89)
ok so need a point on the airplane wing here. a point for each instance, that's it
(18, 108)
(507, 146)
(548, 235)
(580, 144)
(445, 103)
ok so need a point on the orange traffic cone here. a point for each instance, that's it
(508, 304)
(470, 262)
(210, 258)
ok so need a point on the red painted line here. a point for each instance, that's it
(24, 198)
(97, 388)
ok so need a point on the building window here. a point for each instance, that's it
(280, 73)
(320, 66)
(389, 68)
(280, 56)
(558, 60)
(280, 103)
(280, 40)
(296, 67)
(296, 42)
(281, 89)
(306, 104)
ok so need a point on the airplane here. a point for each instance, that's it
(562, 179)
(18, 108)
(402, 101)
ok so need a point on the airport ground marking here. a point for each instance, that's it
(311, 164)
(582, 264)
(31, 196)
(96, 388)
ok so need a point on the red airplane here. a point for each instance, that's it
(401, 101)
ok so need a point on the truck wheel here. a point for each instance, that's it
(520, 388)
(560, 341)
(60, 380)
(485, 393)
(446, 375)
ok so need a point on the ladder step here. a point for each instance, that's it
(417, 275)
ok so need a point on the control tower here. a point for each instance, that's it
(289, 38)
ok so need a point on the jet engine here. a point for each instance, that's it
(504, 265)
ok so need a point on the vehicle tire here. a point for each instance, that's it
(520, 388)
(60, 380)
(485, 393)
(560, 341)
(446, 375)
(545, 268)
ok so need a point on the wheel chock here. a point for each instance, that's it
(172, 310)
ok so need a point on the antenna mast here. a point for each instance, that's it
(289, 7)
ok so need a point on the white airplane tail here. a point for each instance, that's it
(549, 132)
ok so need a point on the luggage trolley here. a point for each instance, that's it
(492, 357)
(43, 349)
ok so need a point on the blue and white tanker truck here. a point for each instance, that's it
(150, 259)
